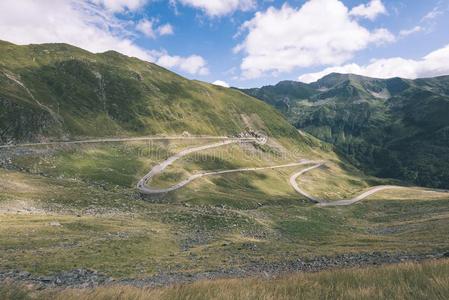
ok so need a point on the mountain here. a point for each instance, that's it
(74, 214)
(57, 91)
(392, 127)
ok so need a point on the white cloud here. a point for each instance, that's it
(82, 23)
(149, 28)
(433, 64)
(427, 23)
(216, 8)
(369, 11)
(321, 32)
(381, 36)
(146, 27)
(434, 13)
(121, 5)
(193, 64)
(166, 29)
(74, 22)
(407, 32)
(221, 83)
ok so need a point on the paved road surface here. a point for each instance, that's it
(158, 169)
(295, 185)
(145, 189)
(364, 195)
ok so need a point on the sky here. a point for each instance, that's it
(247, 43)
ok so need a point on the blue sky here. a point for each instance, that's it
(247, 43)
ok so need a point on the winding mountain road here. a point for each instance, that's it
(141, 185)
(324, 203)
(158, 169)
(361, 197)
(295, 185)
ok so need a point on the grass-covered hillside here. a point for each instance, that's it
(394, 128)
(69, 207)
(59, 91)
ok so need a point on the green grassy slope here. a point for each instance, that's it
(393, 128)
(60, 91)
(215, 223)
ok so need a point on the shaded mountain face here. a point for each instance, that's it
(55, 91)
(393, 128)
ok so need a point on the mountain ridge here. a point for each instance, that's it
(391, 127)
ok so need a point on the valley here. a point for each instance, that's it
(147, 179)
(76, 210)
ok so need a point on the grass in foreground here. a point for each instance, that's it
(429, 280)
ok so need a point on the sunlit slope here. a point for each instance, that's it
(60, 91)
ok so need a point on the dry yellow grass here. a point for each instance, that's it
(429, 280)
